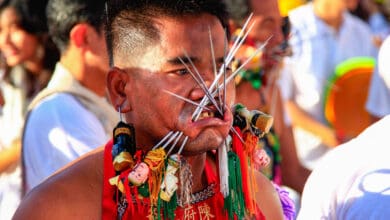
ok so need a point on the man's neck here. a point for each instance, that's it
(330, 14)
(76, 66)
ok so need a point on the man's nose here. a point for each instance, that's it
(277, 37)
(204, 80)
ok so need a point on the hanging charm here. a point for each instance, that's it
(124, 146)
(139, 174)
(169, 184)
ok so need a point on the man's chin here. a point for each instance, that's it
(202, 145)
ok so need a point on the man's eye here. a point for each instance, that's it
(228, 68)
(182, 72)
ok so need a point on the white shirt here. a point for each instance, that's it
(379, 25)
(378, 101)
(352, 182)
(11, 123)
(317, 49)
(59, 130)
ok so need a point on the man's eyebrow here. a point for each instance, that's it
(187, 60)
(182, 59)
(269, 19)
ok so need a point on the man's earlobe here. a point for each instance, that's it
(116, 84)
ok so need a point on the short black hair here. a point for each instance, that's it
(132, 20)
(63, 15)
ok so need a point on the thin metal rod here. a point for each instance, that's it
(171, 139)
(222, 71)
(198, 78)
(183, 144)
(174, 143)
(215, 68)
(187, 100)
(242, 31)
(230, 55)
(258, 50)
(162, 140)
(235, 132)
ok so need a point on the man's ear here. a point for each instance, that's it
(78, 34)
(117, 80)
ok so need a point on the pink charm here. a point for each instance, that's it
(139, 174)
(260, 158)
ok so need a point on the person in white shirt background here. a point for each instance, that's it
(28, 57)
(71, 116)
(352, 182)
(323, 35)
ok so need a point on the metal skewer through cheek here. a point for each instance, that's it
(222, 72)
(237, 44)
(215, 69)
(199, 80)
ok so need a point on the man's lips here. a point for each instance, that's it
(208, 119)
(270, 60)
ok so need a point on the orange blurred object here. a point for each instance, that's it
(345, 97)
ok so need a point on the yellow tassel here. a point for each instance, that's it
(155, 160)
(114, 181)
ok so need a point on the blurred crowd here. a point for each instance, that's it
(54, 107)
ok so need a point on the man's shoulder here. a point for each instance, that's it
(73, 192)
(56, 101)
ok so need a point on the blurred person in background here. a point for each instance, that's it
(375, 14)
(72, 115)
(29, 57)
(257, 88)
(378, 102)
(352, 181)
(324, 34)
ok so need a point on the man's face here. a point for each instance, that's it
(268, 23)
(155, 112)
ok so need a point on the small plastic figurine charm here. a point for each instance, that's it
(169, 184)
(139, 174)
(260, 158)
